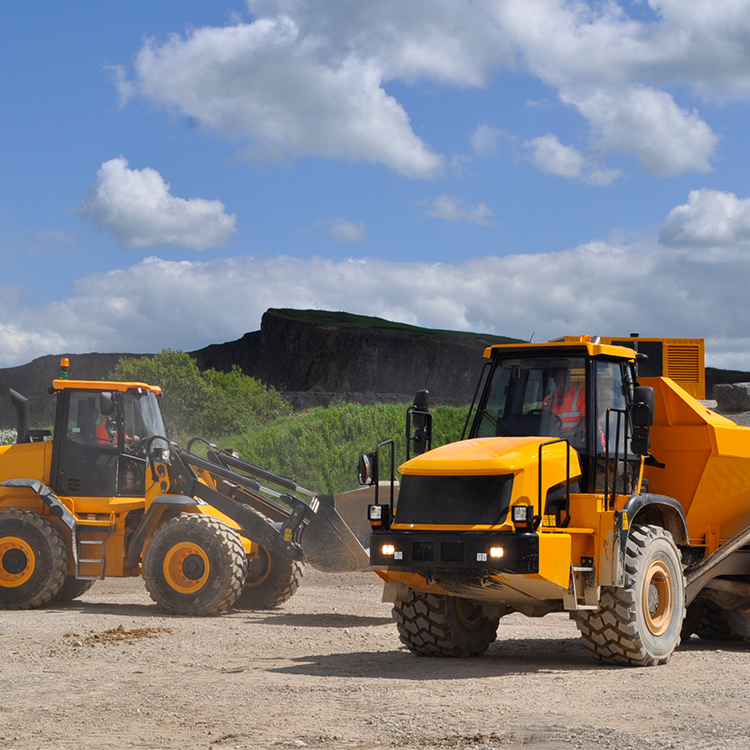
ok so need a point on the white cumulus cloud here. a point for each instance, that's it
(710, 219)
(343, 230)
(454, 209)
(136, 207)
(551, 156)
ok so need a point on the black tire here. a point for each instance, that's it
(692, 618)
(717, 624)
(33, 560)
(271, 581)
(71, 589)
(436, 625)
(194, 565)
(640, 623)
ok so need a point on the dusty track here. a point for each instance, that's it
(326, 670)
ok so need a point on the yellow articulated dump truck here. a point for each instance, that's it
(589, 482)
(110, 495)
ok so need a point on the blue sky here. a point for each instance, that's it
(169, 171)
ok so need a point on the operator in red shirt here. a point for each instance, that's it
(568, 402)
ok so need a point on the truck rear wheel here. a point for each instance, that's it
(436, 625)
(639, 624)
(271, 581)
(719, 624)
(194, 565)
(33, 560)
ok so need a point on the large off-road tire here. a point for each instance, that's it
(717, 624)
(71, 589)
(194, 565)
(436, 625)
(639, 624)
(692, 619)
(33, 560)
(271, 581)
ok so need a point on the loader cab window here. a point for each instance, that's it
(102, 453)
(543, 396)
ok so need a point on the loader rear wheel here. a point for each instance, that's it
(437, 625)
(719, 624)
(33, 560)
(194, 565)
(71, 589)
(639, 624)
(271, 581)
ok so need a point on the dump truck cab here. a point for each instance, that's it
(553, 501)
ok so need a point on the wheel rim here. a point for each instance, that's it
(186, 567)
(17, 561)
(658, 599)
(260, 568)
(469, 614)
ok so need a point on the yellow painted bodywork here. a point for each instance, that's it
(707, 464)
(518, 456)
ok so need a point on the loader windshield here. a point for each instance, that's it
(543, 396)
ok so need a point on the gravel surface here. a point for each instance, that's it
(327, 670)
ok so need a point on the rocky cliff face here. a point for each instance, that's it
(312, 357)
(315, 362)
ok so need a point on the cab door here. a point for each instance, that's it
(85, 453)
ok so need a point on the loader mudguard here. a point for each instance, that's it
(53, 502)
(659, 510)
(138, 539)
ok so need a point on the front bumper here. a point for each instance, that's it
(428, 551)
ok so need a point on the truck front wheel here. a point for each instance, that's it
(194, 565)
(436, 625)
(639, 623)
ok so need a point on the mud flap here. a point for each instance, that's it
(329, 544)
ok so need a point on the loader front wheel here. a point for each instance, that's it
(33, 560)
(719, 624)
(194, 565)
(271, 581)
(437, 625)
(639, 623)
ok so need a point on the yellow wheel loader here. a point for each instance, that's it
(110, 495)
(579, 487)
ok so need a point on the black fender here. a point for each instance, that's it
(138, 540)
(53, 502)
(658, 510)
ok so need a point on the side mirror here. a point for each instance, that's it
(418, 425)
(106, 404)
(367, 469)
(639, 443)
(643, 406)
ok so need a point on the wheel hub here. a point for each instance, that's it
(186, 567)
(17, 561)
(658, 602)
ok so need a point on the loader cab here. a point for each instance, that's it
(582, 394)
(101, 433)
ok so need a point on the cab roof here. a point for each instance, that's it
(577, 344)
(62, 384)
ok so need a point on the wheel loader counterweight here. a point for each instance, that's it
(111, 496)
(579, 488)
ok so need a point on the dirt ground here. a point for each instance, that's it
(327, 670)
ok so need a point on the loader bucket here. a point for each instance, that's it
(335, 545)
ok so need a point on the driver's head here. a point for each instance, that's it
(562, 379)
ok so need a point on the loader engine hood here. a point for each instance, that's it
(472, 483)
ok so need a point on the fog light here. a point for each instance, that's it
(496, 552)
(388, 549)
